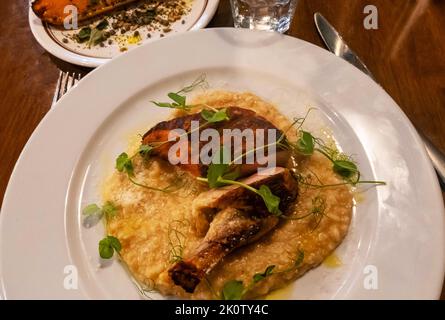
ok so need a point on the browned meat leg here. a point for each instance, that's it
(231, 228)
(240, 218)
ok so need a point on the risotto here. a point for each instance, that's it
(155, 228)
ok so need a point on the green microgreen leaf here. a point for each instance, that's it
(214, 116)
(233, 290)
(218, 175)
(345, 168)
(96, 37)
(172, 105)
(105, 250)
(109, 209)
(180, 100)
(214, 173)
(305, 144)
(108, 245)
(93, 213)
(124, 164)
(163, 104)
(271, 201)
(83, 35)
(260, 276)
(145, 150)
(232, 175)
(91, 209)
(218, 168)
(115, 243)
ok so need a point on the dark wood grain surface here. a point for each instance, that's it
(406, 55)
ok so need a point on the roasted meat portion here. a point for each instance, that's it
(231, 228)
(234, 217)
(239, 120)
(208, 204)
(52, 11)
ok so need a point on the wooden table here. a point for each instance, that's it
(406, 55)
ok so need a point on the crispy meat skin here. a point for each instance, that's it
(52, 11)
(240, 218)
(239, 119)
(231, 228)
(209, 203)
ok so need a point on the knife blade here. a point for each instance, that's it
(335, 43)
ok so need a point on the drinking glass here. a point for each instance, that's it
(268, 15)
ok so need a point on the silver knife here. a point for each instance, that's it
(338, 46)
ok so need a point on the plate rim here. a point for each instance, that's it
(406, 121)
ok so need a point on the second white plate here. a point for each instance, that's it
(51, 38)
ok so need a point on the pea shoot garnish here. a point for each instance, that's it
(342, 164)
(233, 290)
(200, 82)
(145, 150)
(93, 36)
(178, 102)
(219, 174)
(306, 145)
(271, 201)
(93, 213)
(125, 165)
(345, 168)
(109, 210)
(257, 277)
(236, 290)
(176, 240)
(213, 116)
(108, 245)
(83, 35)
(178, 99)
(219, 169)
(317, 211)
(92, 209)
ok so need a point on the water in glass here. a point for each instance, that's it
(269, 15)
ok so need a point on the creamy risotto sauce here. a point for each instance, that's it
(155, 228)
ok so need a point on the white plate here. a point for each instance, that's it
(51, 38)
(399, 228)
